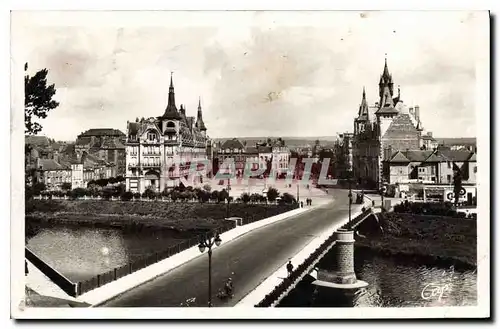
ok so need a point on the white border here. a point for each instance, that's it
(482, 102)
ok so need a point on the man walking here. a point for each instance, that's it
(289, 267)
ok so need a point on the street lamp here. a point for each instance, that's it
(208, 242)
(350, 196)
(228, 189)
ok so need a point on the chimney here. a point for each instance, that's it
(412, 112)
(429, 133)
(417, 112)
(376, 104)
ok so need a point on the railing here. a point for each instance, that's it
(280, 291)
(119, 272)
(60, 280)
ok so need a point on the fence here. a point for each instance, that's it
(119, 272)
(60, 280)
(274, 296)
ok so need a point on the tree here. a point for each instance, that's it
(457, 183)
(37, 100)
(288, 198)
(272, 194)
(245, 197)
(66, 186)
(207, 187)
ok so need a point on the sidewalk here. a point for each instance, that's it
(277, 277)
(42, 292)
(112, 289)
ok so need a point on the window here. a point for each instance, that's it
(421, 169)
(475, 169)
(448, 177)
(152, 136)
(448, 163)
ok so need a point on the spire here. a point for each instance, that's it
(171, 110)
(363, 107)
(385, 81)
(199, 120)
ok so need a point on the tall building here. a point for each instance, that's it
(343, 153)
(379, 130)
(159, 150)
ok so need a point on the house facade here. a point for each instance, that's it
(159, 150)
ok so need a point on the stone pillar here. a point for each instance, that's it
(344, 258)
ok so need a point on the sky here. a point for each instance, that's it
(257, 73)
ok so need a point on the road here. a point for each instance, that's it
(248, 260)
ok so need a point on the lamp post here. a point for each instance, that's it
(350, 196)
(208, 242)
(228, 188)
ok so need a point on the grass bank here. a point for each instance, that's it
(143, 214)
(430, 239)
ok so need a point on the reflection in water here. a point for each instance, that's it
(393, 283)
(80, 253)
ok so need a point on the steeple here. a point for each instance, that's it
(171, 110)
(385, 81)
(199, 120)
(363, 107)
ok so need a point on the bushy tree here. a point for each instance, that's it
(66, 186)
(223, 195)
(37, 100)
(127, 196)
(245, 197)
(272, 194)
(288, 198)
(207, 187)
(78, 193)
(214, 196)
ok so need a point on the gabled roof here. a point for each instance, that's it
(83, 140)
(251, 150)
(103, 132)
(50, 164)
(473, 157)
(232, 144)
(417, 155)
(42, 141)
(399, 157)
(458, 156)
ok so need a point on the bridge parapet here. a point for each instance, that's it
(279, 292)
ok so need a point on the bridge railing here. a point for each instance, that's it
(297, 274)
(119, 272)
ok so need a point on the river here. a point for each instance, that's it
(81, 253)
(392, 283)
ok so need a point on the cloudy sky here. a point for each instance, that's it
(257, 73)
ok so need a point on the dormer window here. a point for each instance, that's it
(152, 137)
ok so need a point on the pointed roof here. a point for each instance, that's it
(386, 104)
(171, 110)
(399, 157)
(363, 113)
(199, 120)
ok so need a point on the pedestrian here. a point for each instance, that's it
(289, 267)
(26, 271)
(301, 204)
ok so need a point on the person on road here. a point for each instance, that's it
(289, 267)
(228, 287)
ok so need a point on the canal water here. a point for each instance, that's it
(81, 253)
(393, 282)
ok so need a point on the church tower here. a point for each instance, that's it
(199, 120)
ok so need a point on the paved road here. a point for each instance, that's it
(249, 260)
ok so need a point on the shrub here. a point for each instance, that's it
(223, 195)
(149, 194)
(272, 194)
(127, 196)
(78, 193)
(207, 187)
(245, 197)
(288, 198)
(66, 186)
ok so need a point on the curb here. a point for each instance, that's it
(258, 294)
(95, 297)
